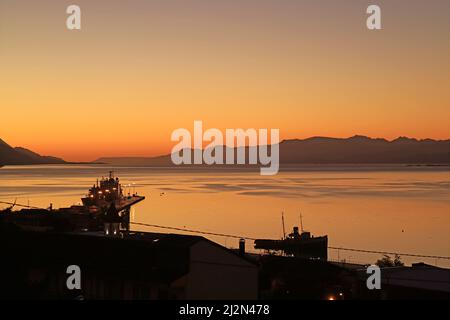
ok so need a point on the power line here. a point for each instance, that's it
(387, 253)
(193, 231)
(250, 238)
(20, 205)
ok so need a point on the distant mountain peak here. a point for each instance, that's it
(359, 137)
(3, 143)
(23, 156)
(405, 139)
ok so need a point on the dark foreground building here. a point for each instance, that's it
(132, 265)
(419, 281)
(291, 278)
(121, 264)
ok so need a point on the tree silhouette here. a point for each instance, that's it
(387, 261)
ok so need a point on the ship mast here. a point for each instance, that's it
(301, 222)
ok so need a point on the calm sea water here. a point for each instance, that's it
(383, 208)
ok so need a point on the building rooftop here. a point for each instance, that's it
(418, 276)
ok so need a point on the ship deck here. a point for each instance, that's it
(127, 202)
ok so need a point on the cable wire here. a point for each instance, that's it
(250, 238)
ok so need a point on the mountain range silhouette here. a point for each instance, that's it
(325, 150)
(314, 150)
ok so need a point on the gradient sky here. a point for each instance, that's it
(140, 69)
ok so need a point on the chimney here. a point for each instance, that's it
(241, 247)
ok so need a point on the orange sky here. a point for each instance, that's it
(139, 70)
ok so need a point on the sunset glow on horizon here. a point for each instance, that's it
(141, 69)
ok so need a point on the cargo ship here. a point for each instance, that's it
(104, 202)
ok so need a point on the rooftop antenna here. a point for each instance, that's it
(282, 222)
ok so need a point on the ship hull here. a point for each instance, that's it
(316, 247)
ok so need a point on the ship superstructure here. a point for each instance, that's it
(104, 191)
(109, 191)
